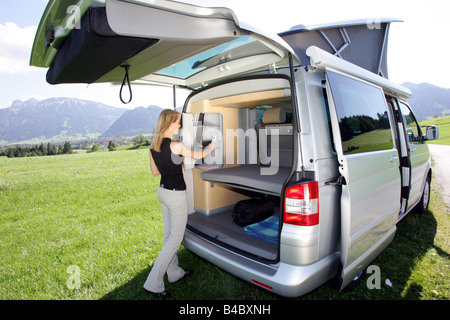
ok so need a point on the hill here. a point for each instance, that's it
(134, 122)
(429, 101)
(55, 119)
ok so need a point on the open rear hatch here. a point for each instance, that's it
(160, 41)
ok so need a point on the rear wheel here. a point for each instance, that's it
(422, 206)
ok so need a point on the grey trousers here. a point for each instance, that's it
(174, 212)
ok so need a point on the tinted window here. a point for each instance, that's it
(234, 50)
(412, 127)
(362, 114)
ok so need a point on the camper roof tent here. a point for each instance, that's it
(361, 42)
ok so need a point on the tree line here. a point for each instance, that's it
(355, 125)
(66, 148)
(37, 150)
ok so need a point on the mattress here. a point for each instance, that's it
(250, 177)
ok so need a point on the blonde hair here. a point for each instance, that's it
(166, 118)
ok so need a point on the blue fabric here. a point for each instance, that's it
(266, 229)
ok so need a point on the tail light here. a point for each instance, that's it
(301, 204)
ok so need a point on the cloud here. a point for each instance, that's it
(15, 48)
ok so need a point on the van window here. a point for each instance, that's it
(363, 115)
(412, 127)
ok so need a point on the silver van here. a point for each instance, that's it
(306, 120)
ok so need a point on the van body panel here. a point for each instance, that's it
(355, 268)
(420, 157)
(299, 244)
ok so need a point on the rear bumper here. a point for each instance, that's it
(283, 279)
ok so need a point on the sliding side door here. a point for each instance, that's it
(369, 168)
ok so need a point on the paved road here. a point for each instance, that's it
(440, 155)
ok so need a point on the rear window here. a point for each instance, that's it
(362, 114)
(237, 49)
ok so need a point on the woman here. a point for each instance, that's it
(165, 159)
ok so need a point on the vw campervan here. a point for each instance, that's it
(306, 119)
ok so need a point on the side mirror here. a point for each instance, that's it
(432, 133)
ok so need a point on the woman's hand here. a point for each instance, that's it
(212, 146)
(181, 149)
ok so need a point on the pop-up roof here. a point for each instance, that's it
(361, 42)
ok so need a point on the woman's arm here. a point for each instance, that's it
(181, 149)
(153, 166)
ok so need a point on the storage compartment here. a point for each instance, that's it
(255, 142)
(259, 239)
(211, 198)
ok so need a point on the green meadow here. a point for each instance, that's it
(88, 226)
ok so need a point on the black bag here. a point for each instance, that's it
(250, 211)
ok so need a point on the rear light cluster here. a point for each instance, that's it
(301, 204)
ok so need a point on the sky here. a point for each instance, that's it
(418, 47)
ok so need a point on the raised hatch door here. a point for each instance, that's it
(168, 42)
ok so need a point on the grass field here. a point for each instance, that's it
(88, 227)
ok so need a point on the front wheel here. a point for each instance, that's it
(422, 206)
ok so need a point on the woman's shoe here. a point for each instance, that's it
(162, 295)
(187, 273)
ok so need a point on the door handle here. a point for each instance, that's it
(393, 160)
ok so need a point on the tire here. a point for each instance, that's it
(422, 206)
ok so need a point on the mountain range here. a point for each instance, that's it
(428, 101)
(134, 122)
(61, 119)
(55, 119)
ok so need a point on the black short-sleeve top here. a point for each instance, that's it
(169, 166)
